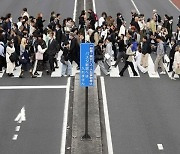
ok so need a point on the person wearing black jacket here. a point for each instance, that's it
(121, 50)
(82, 21)
(52, 49)
(65, 60)
(146, 50)
(92, 19)
(171, 55)
(74, 50)
(99, 57)
(59, 35)
(119, 20)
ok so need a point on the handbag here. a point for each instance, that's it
(62, 60)
(39, 56)
(13, 57)
(22, 60)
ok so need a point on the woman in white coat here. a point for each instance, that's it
(10, 65)
(176, 64)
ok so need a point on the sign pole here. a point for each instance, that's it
(86, 135)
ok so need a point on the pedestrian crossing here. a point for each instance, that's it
(114, 71)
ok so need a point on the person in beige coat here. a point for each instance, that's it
(129, 60)
(176, 64)
(10, 65)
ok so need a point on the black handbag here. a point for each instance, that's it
(62, 60)
(13, 57)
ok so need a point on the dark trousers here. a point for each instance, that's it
(119, 56)
(171, 64)
(2, 62)
(126, 66)
(51, 62)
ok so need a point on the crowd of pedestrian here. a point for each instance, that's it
(34, 46)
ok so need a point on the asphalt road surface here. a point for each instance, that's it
(143, 112)
(41, 130)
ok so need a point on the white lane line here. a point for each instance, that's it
(106, 117)
(94, 9)
(135, 6)
(15, 137)
(32, 87)
(63, 140)
(84, 4)
(75, 10)
(174, 5)
(160, 147)
(17, 128)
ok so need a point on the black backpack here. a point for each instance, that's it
(13, 57)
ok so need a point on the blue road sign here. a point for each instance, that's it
(87, 64)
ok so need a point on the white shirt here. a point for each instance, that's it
(122, 30)
(101, 20)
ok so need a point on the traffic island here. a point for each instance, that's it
(80, 145)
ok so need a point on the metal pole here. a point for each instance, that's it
(86, 135)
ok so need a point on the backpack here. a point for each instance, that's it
(13, 57)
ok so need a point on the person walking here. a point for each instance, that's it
(65, 60)
(129, 60)
(176, 64)
(99, 57)
(10, 65)
(160, 54)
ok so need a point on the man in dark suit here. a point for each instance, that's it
(74, 50)
(52, 49)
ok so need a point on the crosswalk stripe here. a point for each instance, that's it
(114, 70)
(1, 74)
(57, 72)
(151, 68)
(166, 66)
(97, 71)
(17, 72)
(130, 70)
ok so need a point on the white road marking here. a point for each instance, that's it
(1, 74)
(160, 147)
(17, 72)
(135, 6)
(130, 70)
(94, 9)
(84, 4)
(97, 71)
(15, 137)
(32, 87)
(75, 10)
(114, 71)
(174, 5)
(57, 72)
(106, 117)
(151, 72)
(17, 128)
(21, 116)
(63, 140)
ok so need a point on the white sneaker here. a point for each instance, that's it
(154, 73)
(162, 72)
(172, 78)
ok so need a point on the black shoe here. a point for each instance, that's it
(33, 76)
(135, 74)
(78, 68)
(121, 74)
(47, 72)
(57, 67)
(10, 75)
(20, 76)
(170, 71)
(53, 70)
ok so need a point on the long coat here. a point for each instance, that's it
(10, 65)
(176, 64)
